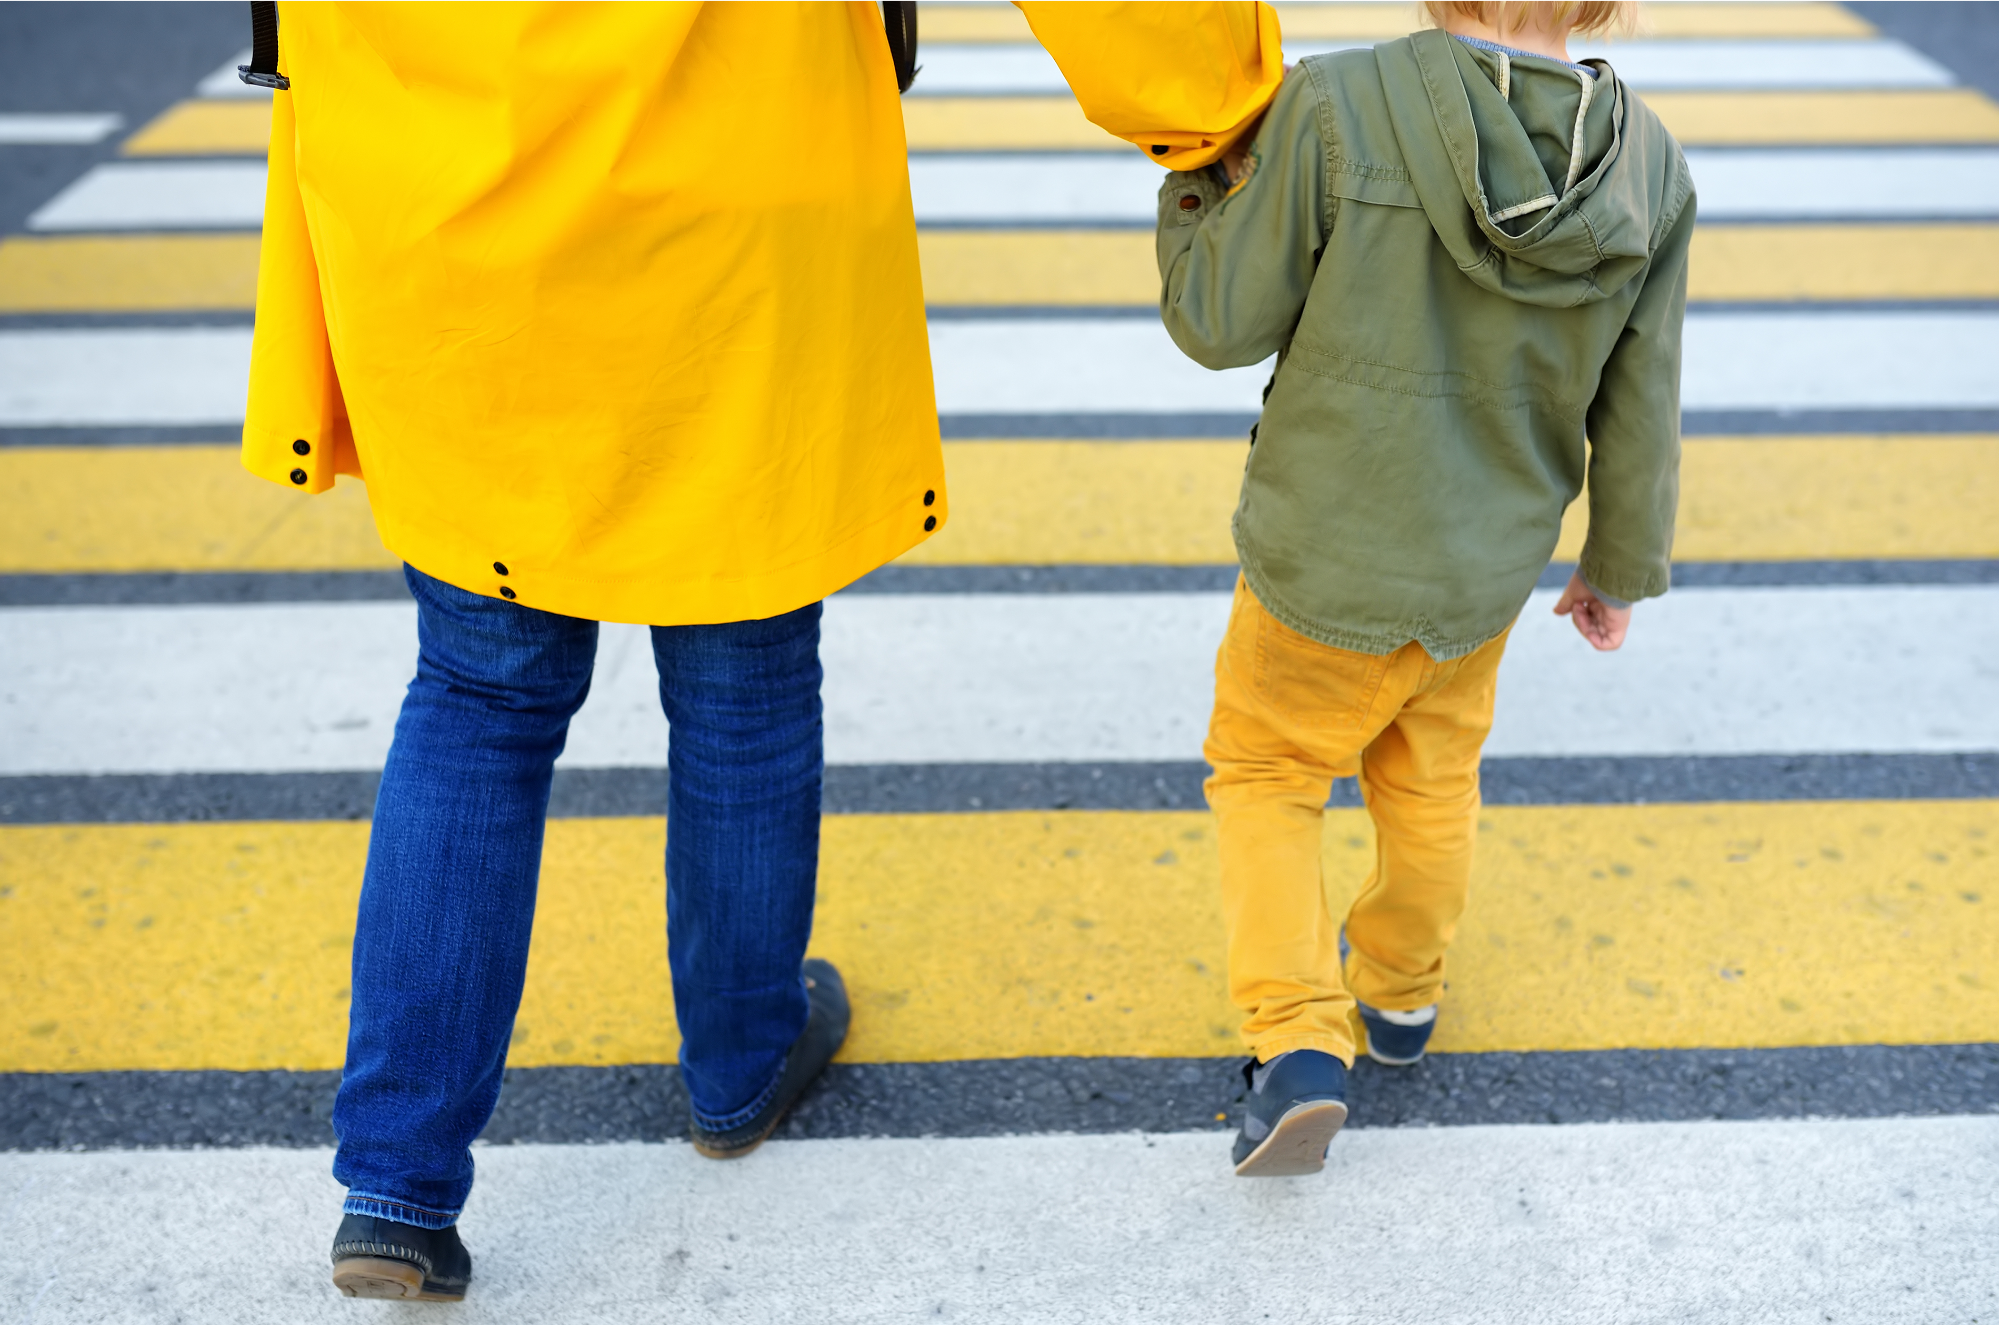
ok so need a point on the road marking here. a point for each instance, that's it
(1943, 115)
(1049, 268)
(954, 23)
(226, 946)
(148, 195)
(193, 508)
(1024, 70)
(1733, 360)
(960, 678)
(186, 375)
(1081, 365)
(117, 273)
(940, 123)
(1730, 263)
(1078, 188)
(1120, 188)
(205, 128)
(24, 129)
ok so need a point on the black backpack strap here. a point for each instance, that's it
(262, 71)
(899, 18)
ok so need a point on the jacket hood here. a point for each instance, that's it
(1529, 171)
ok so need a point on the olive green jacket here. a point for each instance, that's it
(1464, 265)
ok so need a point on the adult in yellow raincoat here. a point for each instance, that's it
(616, 310)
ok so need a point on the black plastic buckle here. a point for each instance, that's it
(277, 82)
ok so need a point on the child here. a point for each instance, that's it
(1468, 253)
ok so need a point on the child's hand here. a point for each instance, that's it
(1596, 621)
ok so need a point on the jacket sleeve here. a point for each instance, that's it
(1634, 433)
(1235, 266)
(1181, 82)
(295, 424)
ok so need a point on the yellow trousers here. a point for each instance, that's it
(1291, 715)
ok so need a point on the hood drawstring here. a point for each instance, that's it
(1547, 200)
(1576, 142)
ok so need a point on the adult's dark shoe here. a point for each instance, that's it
(825, 1031)
(1297, 1103)
(381, 1258)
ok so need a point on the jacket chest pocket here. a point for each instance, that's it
(1312, 683)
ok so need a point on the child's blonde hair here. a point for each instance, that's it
(1579, 16)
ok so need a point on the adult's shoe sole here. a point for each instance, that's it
(379, 1277)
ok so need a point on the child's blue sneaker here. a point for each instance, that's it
(1297, 1103)
(1394, 1039)
(1397, 1039)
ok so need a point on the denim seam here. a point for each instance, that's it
(381, 1207)
(749, 1111)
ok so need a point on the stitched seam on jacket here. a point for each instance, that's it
(1329, 144)
(1560, 405)
(1340, 165)
(1353, 641)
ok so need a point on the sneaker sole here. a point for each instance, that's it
(379, 1277)
(1297, 1145)
(1394, 1062)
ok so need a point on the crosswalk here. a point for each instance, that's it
(1748, 868)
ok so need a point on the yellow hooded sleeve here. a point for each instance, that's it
(1181, 82)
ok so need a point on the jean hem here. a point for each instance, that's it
(1325, 1044)
(730, 1122)
(397, 1212)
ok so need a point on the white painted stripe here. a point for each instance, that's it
(113, 378)
(1760, 66)
(1933, 360)
(980, 70)
(1734, 360)
(1012, 189)
(225, 83)
(1118, 188)
(1755, 183)
(159, 195)
(1077, 365)
(1751, 1223)
(1834, 360)
(1009, 678)
(1122, 188)
(58, 128)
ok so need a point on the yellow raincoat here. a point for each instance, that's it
(617, 308)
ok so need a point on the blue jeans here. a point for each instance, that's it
(441, 947)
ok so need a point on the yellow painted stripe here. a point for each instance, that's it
(1047, 267)
(972, 124)
(108, 273)
(1740, 262)
(78, 509)
(1939, 115)
(205, 128)
(1777, 262)
(1054, 267)
(1942, 115)
(1005, 935)
(173, 508)
(1325, 22)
